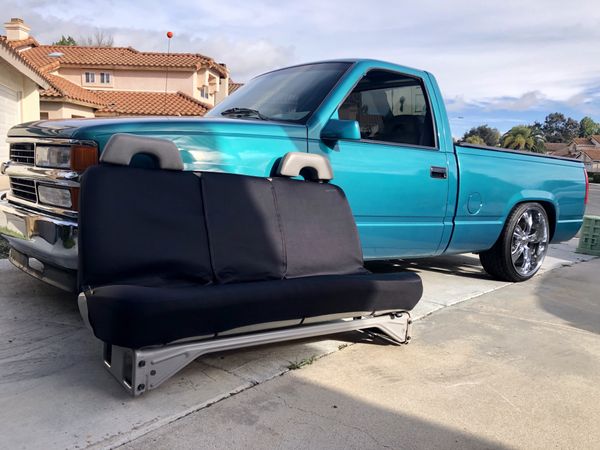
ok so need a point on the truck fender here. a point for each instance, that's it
(545, 198)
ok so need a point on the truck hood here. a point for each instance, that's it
(250, 147)
(98, 129)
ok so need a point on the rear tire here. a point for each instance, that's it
(519, 252)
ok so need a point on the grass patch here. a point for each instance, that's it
(3, 248)
(295, 365)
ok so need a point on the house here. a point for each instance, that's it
(556, 148)
(588, 150)
(20, 83)
(585, 149)
(114, 81)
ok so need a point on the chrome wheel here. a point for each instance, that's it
(529, 242)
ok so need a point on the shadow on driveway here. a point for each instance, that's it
(573, 295)
(466, 265)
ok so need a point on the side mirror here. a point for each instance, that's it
(337, 129)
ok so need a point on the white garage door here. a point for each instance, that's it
(9, 116)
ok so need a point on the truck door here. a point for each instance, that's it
(395, 176)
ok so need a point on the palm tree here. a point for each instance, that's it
(522, 137)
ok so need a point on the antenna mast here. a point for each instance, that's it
(169, 36)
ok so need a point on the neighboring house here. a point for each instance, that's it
(112, 81)
(556, 148)
(20, 82)
(584, 149)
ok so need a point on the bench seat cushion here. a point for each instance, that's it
(137, 316)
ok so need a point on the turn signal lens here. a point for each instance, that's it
(83, 156)
(75, 198)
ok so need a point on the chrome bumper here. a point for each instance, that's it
(39, 241)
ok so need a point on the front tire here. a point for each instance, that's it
(520, 250)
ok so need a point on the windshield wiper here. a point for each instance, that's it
(244, 112)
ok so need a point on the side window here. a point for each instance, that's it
(390, 107)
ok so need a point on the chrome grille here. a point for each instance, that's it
(23, 188)
(22, 152)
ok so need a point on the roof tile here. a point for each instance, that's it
(115, 56)
(234, 86)
(593, 154)
(149, 103)
(61, 87)
(582, 141)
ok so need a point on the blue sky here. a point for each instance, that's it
(502, 63)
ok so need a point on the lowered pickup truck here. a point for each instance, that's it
(385, 131)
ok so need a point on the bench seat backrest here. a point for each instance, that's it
(154, 227)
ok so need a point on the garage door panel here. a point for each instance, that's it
(9, 117)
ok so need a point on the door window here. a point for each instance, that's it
(390, 107)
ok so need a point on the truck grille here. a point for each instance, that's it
(22, 152)
(23, 188)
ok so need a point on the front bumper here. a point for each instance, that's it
(41, 245)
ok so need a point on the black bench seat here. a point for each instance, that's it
(167, 256)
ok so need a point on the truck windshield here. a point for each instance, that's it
(289, 95)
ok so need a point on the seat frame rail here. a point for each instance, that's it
(145, 369)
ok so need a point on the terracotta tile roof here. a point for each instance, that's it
(594, 155)
(115, 56)
(6, 44)
(61, 88)
(555, 146)
(23, 43)
(149, 104)
(596, 137)
(582, 141)
(234, 86)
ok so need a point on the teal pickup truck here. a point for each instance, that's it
(383, 127)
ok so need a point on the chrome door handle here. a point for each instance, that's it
(438, 172)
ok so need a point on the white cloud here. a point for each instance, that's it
(510, 54)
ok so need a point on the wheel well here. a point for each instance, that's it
(550, 212)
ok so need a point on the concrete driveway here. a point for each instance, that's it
(54, 392)
(515, 368)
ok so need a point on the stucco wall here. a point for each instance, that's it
(223, 91)
(134, 80)
(60, 110)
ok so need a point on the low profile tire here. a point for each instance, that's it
(520, 250)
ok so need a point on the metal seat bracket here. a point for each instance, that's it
(142, 370)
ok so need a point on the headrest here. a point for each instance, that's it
(293, 163)
(121, 147)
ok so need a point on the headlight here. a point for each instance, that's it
(53, 156)
(55, 196)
